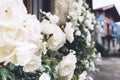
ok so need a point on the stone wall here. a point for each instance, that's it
(61, 8)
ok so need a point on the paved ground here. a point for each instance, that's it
(109, 69)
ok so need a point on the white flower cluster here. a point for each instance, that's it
(23, 38)
(19, 35)
(79, 12)
(80, 16)
(65, 69)
(90, 20)
(56, 37)
(75, 11)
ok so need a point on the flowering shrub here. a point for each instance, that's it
(37, 50)
(83, 23)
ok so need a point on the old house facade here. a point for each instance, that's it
(108, 14)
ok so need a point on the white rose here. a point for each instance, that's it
(11, 32)
(8, 39)
(47, 27)
(66, 67)
(69, 32)
(33, 64)
(57, 39)
(53, 18)
(44, 76)
(17, 52)
(14, 36)
(32, 30)
(22, 54)
(12, 11)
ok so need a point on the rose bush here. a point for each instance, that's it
(43, 50)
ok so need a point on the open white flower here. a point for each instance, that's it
(47, 27)
(12, 11)
(33, 64)
(53, 18)
(44, 76)
(69, 32)
(17, 53)
(8, 39)
(32, 30)
(66, 67)
(57, 39)
(11, 32)
(22, 54)
(20, 41)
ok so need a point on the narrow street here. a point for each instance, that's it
(109, 69)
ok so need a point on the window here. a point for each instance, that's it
(33, 6)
